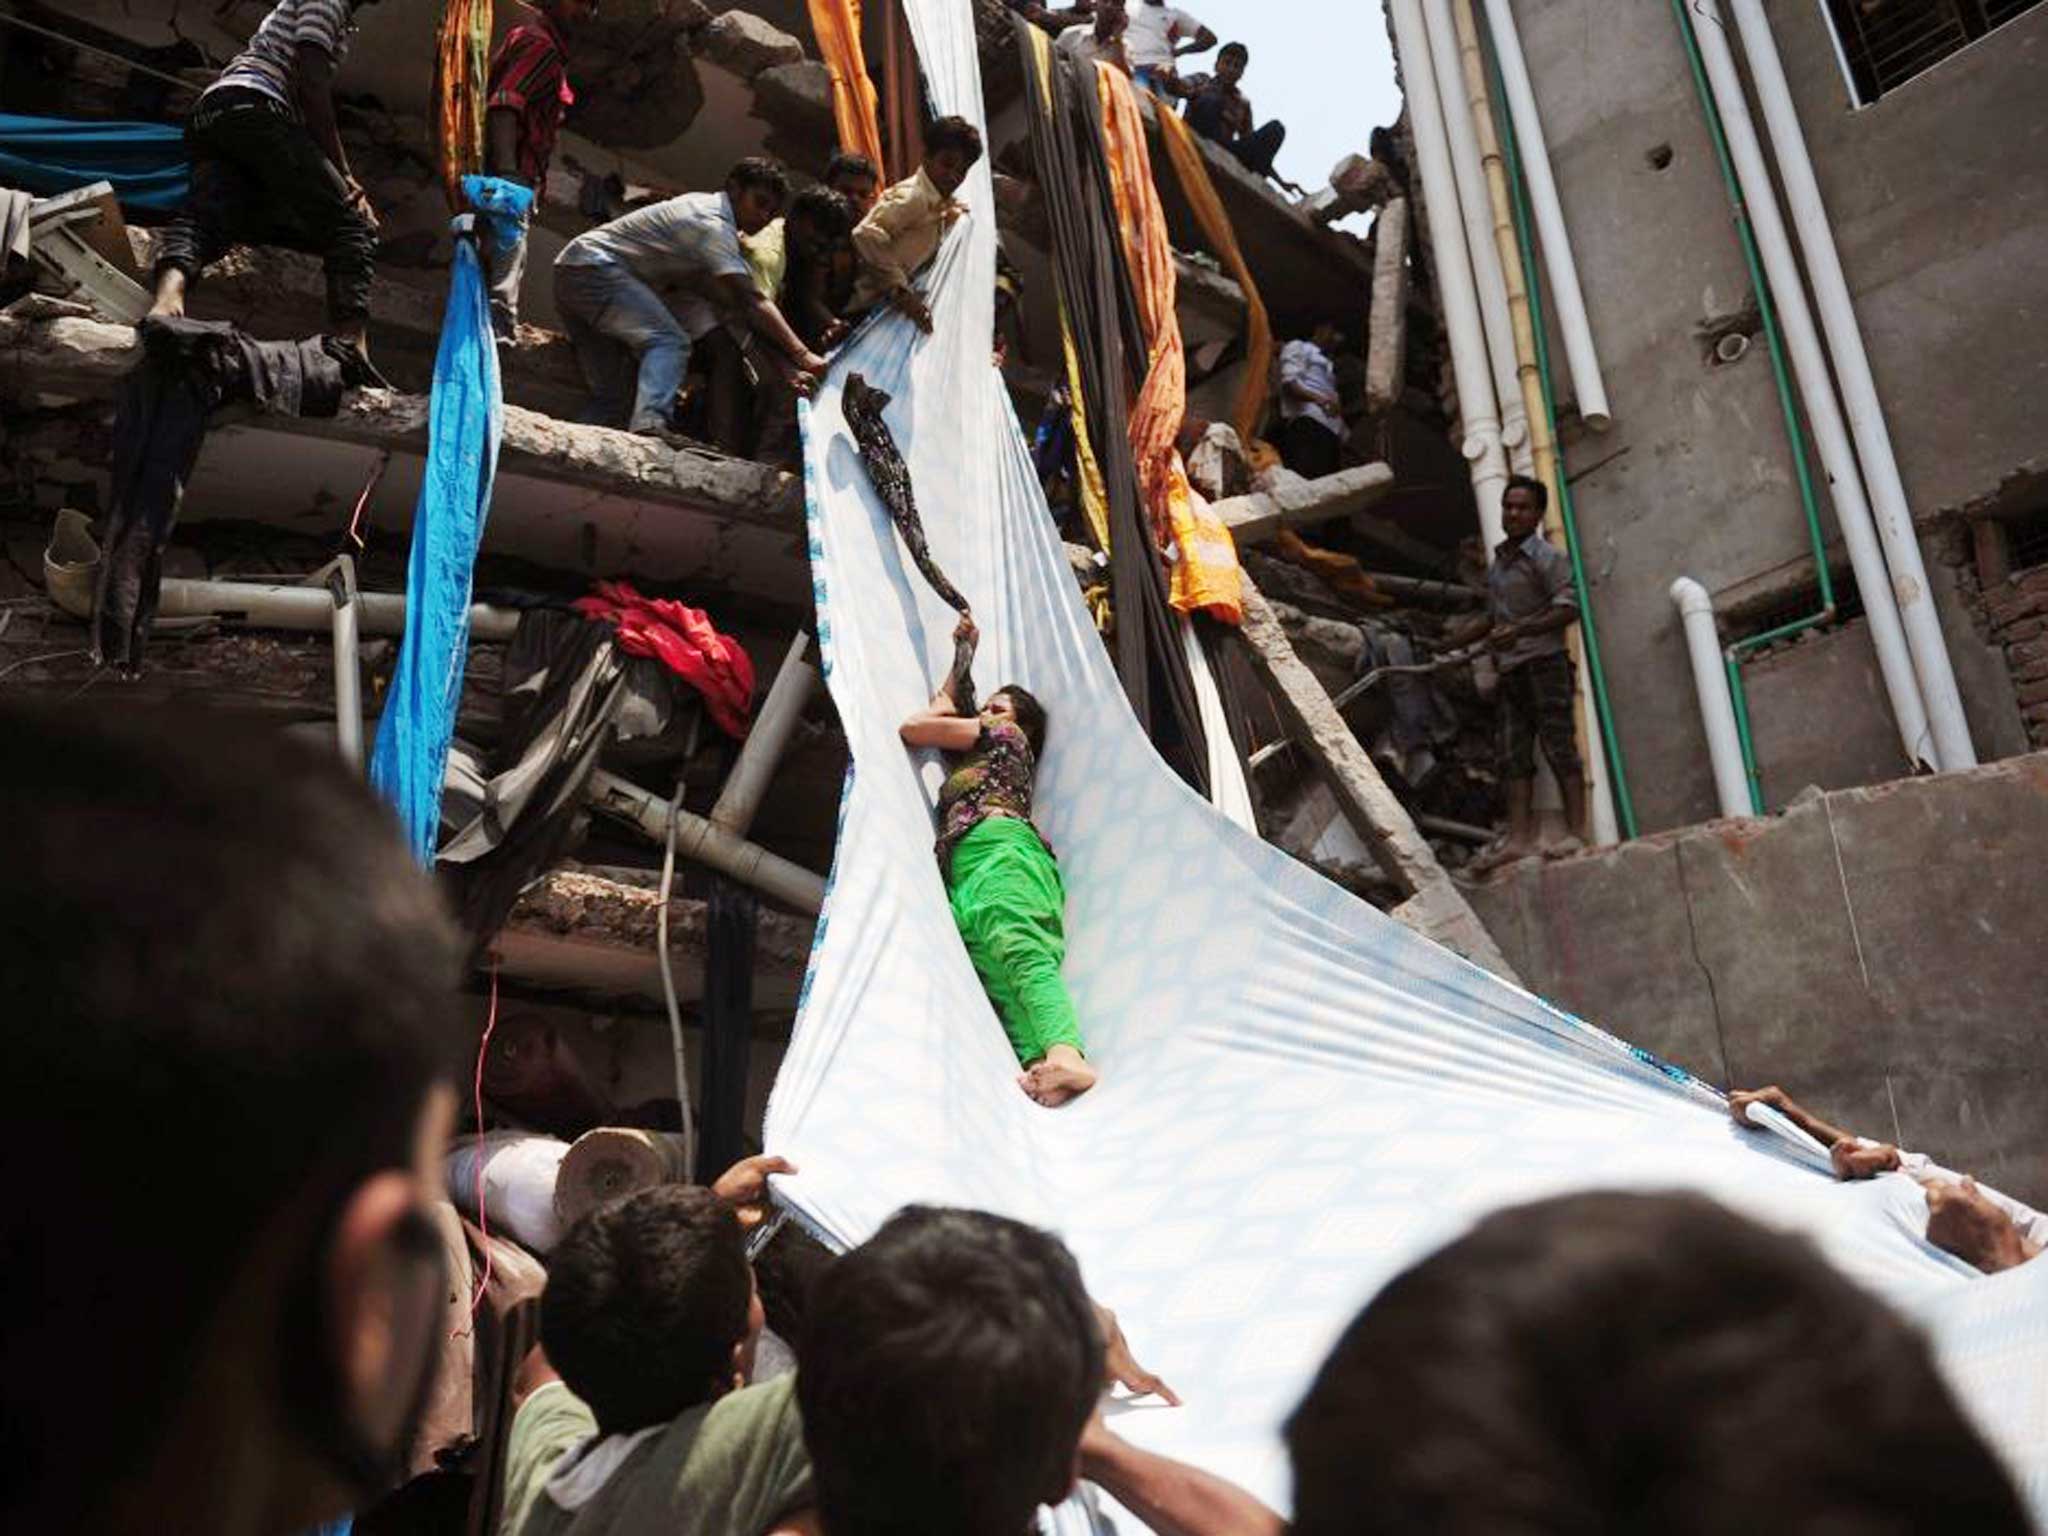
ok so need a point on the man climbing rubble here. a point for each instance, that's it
(268, 167)
(1530, 604)
(1218, 109)
(634, 351)
(528, 96)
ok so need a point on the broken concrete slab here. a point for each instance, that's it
(796, 97)
(745, 44)
(1313, 723)
(1292, 502)
(1386, 350)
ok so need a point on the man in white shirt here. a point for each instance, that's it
(1102, 40)
(1312, 428)
(1159, 35)
(633, 349)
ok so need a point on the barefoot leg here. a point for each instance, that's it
(1062, 1074)
(170, 294)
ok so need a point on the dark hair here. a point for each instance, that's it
(1030, 715)
(646, 1298)
(848, 162)
(949, 1365)
(1632, 1362)
(230, 991)
(1530, 484)
(828, 212)
(1237, 48)
(954, 133)
(759, 171)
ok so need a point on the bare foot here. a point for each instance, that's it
(170, 295)
(1064, 1074)
(1500, 856)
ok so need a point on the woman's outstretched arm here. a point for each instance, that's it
(940, 723)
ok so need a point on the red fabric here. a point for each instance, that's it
(684, 640)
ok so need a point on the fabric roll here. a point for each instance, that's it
(517, 1171)
(145, 162)
(611, 1162)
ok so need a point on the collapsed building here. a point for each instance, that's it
(1746, 915)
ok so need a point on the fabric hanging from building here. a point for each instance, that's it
(731, 924)
(836, 24)
(902, 95)
(188, 370)
(891, 479)
(684, 640)
(1195, 184)
(1096, 298)
(145, 162)
(462, 69)
(1202, 567)
(1286, 1119)
(409, 760)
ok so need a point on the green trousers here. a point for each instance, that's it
(1009, 904)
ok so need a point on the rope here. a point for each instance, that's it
(483, 1211)
(668, 979)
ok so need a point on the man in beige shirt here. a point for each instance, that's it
(903, 230)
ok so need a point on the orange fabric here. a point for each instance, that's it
(1200, 192)
(1205, 575)
(462, 69)
(1339, 572)
(837, 24)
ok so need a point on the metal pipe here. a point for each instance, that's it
(1580, 356)
(1469, 175)
(1482, 445)
(271, 605)
(698, 838)
(1717, 707)
(1588, 627)
(1542, 456)
(1757, 217)
(774, 723)
(1893, 514)
(338, 576)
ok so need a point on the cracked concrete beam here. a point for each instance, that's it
(88, 358)
(745, 44)
(581, 932)
(1434, 907)
(1386, 351)
(1292, 501)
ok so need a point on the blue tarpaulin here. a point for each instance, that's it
(146, 162)
(464, 422)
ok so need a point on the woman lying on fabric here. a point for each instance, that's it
(1001, 879)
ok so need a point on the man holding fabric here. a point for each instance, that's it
(268, 167)
(904, 229)
(633, 350)
(1158, 37)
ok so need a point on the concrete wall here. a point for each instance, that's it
(1939, 195)
(1877, 952)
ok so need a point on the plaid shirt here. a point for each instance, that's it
(530, 76)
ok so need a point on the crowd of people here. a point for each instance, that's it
(231, 1327)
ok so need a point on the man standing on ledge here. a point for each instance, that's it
(1530, 604)
(268, 167)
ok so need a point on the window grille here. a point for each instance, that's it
(1885, 43)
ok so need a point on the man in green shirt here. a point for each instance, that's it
(639, 1417)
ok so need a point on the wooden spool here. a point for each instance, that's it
(609, 1162)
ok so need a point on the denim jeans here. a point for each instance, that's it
(633, 352)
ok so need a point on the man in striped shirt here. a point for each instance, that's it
(529, 97)
(268, 167)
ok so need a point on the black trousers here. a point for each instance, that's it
(1255, 151)
(259, 179)
(1309, 448)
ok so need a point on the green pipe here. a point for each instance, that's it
(1617, 771)
(1793, 430)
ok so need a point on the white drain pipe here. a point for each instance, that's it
(1816, 388)
(1894, 515)
(1479, 413)
(1717, 708)
(1567, 300)
(1468, 172)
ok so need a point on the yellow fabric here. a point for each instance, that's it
(1093, 491)
(1200, 192)
(462, 69)
(837, 25)
(767, 256)
(900, 234)
(1202, 556)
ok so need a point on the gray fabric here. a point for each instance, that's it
(1524, 580)
(504, 271)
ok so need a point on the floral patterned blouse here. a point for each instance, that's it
(993, 779)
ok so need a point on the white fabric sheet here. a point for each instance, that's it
(1299, 1096)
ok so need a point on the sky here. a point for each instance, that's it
(1323, 67)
